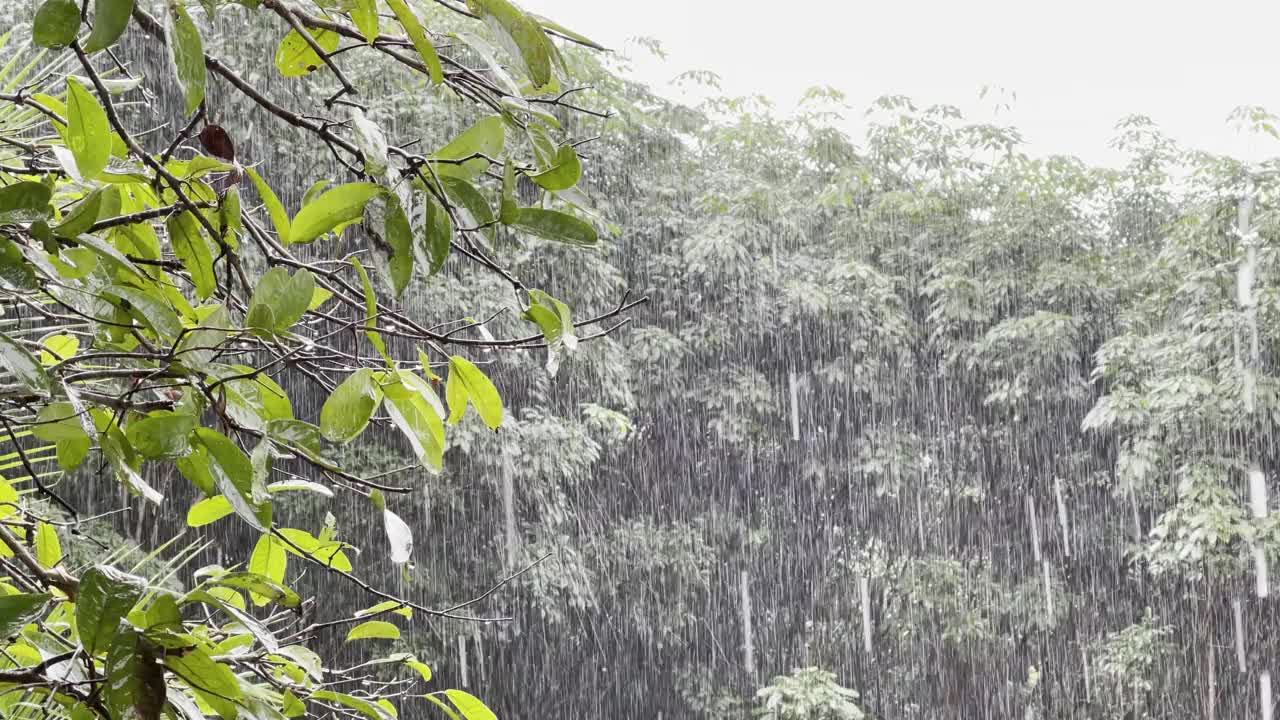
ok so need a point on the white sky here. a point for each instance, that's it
(1077, 67)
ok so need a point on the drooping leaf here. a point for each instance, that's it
(347, 411)
(110, 18)
(400, 536)
(467, 383)
(399, 236)
(364, 707)
(186, 49)
(437, 236)
(192, 248)
(56, 23)
(232, 473)
(135, 685)
(88, 132)
(374, 630)
(521, 36)
(422, 426)
(17, 273)
(554, 225)
(365, 15)
(19, 609)
(270, 561)
(25, 367)
(418, 36)
(106, 595)
(469, 200)
(295, 57)
(154, 312)
(275, 209)
(215, 140)
(371, 312)
(24, 202)
(48, 546)
(371, 141)
(339, 205)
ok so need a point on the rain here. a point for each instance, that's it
(908, 422)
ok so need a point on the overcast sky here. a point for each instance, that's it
(1077, 67)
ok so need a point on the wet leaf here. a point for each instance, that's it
(209, 510)
(106, 596)
(347, 411)
(374, 630)
(365, 15)
(110, 18)
(24, 202)
(19, 609)
(25, 367)
(56, 23)
(554, 225)
(486, 138)
(217, 142)
(192, 248)
(187, 52)
(88, 133)
(342, 204)
(400, 536)
(418, 35)
(162, 433)
(468, 384)
(295, 57)
(279, 218)
(270, 561)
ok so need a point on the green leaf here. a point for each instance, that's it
(153, 312)
(580, 39)
(110, 18)
(187, 51)
(469, 199)
(15, 271)
(56, 24)
(509, 211)
(339, 205)
(162, 433)
(88, 133)
(255, 583)
(371, 312)
(88, 210)
(212, 680)
(374, 630)
(399, 236)
(232, 473)
(564, 173)
(288, 296)
(24, 202)
(437, 236)
(422, 669)
(392, 606)
(112, 257)
(295, 57)
(191, 247)
(135, 685)
(487, 137)
(25, 367)
(330, 553)
(470, 705)
(18, 610)
(364, 707)
(347, 411)
(209, 510)
(106, 596)
(554, 225)
(48, 546)
(372, 143)
(365, 15)
(270, 561)
(422, 426)
(413, 28)
(521, 36)
(467, 383)
(275, 209)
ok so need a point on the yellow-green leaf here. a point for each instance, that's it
(334, 207)
(374, 629)
(295, 57)
(88, 133)
(418, 34)
(468, 383)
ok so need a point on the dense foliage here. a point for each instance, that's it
(159, 331)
